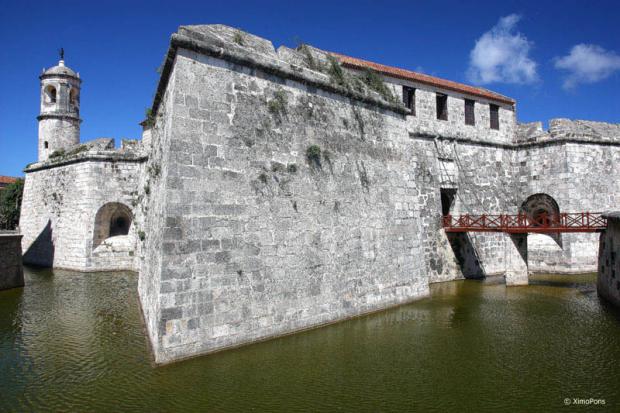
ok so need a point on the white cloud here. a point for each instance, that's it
(587, 63)
(501, 55)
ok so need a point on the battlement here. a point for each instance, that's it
(561, 129)
(255, 53)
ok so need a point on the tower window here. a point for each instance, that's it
(50, 94)
(73, 97)
(409, 98)
(494, 112)
(45, 144)
(470, 118)
(442, 106)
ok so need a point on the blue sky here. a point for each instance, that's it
(556, 58)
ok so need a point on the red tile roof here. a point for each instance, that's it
(7, 179)
(355, 63)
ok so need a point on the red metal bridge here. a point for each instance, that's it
(522, 223)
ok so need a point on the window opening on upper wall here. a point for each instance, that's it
(442, 106)
(409, 98)
(470, 117)
(494, 112)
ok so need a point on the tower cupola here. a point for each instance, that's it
(59, 118)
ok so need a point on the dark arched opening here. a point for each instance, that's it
(50, 94)
(112, 219)
(119, 225)
(541, 210)
(73, 97)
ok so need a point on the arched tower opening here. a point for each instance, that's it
(112, 219)
(74, 98)
(50, 94)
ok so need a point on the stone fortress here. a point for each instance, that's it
(278, 190)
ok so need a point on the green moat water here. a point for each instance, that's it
(75, 342)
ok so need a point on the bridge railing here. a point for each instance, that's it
(523, 223)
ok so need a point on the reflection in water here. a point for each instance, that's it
(75, 342)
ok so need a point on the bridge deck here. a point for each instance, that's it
(522, 223)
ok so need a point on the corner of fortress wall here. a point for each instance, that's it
(262, 236)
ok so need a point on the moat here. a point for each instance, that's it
(76, 342)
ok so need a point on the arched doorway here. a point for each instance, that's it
(541, 209)
(544, 250)
(113, 219)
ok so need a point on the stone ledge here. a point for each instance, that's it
(85, 157)
(515, 146)
(61, 116)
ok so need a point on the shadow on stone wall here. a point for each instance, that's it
(466, 255)
(41, 251)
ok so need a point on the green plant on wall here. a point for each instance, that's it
(238, 38)
(313, 155)
(277, 105)
(58, 153)
(374, 82)
(311, 62)
(149, 122)
(336, 72)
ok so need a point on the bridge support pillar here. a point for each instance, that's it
(516, 259)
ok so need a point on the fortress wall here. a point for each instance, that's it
(577, 176)
(483, 177)
(543, 169)
(608, 282)
(59, 208)
(261, 241)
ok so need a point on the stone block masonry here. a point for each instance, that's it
(11, 270)
(283, 207)
(608, 283)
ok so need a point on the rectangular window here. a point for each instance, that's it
(470, 118)
(409, 98)
(494, 116)
(442, 107)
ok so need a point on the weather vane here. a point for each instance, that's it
(62, 53)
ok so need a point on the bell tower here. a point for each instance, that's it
(59, 118)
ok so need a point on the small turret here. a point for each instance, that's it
(59, 118)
